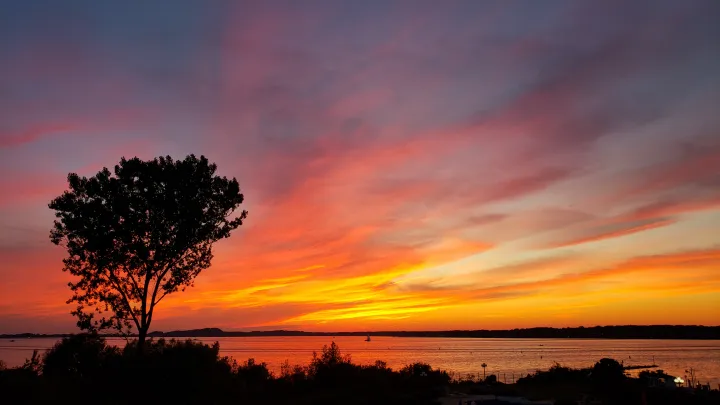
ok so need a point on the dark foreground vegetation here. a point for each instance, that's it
(84, 369)
(603, 384)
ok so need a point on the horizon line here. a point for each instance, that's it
(216, 329)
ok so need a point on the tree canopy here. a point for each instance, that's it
(139, 233)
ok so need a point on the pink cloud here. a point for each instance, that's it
(615, 231)
(8, 140)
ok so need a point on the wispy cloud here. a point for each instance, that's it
(611, 231)
(399, 162)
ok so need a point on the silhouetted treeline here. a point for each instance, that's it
(595, 332)
(85, 369)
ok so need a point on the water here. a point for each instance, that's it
(506, 358)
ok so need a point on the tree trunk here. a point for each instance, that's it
(142, 334)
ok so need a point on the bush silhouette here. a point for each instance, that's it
(252, 376)
(607, 372)
(189, 364)
(425, 382)
(79, 356)
(292, 375)
(557, 374)
(331, 368)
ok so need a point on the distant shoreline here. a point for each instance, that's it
(682, 332)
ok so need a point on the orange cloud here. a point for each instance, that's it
(668, 266)
(394, 178)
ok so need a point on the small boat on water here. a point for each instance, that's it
(367, 339)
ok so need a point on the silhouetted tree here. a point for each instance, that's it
(607, 372)
(137, 234)
(329, 361)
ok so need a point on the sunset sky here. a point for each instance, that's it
(406, 165)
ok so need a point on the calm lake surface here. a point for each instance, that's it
(507, 358)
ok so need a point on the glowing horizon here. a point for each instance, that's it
(405, 166)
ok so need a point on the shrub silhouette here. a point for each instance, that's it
(79, 356)
(421, 379)
(331, 368)
(293, 374)
(568, 382)
(33, 365)
(253, 377)
(557, 374)
(607, 372)
(189, 364)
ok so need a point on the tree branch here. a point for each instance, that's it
(135, 284)
(152, 307)
(157, 286)
(113, 279)
(161, 297)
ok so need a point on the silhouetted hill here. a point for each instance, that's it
(595, 332)
(209, 332)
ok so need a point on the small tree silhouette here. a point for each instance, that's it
(140, 233)
(607, 372)
(330, 357)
